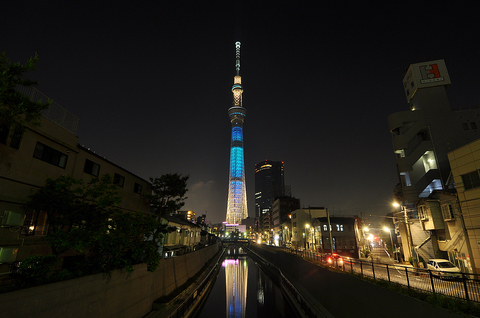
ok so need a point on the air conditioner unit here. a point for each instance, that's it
(8, 254)
(12, 218)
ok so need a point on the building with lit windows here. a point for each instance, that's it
(269, 185)
(186, 215)
(281, 217)
(344, 232)
(49, 150)
(422, 138)
(424, 134)
(301, 225)
(237, 191)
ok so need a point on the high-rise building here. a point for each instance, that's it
(237, 192)
(269, 184)
(423, 135)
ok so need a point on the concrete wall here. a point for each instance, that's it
(120, 295)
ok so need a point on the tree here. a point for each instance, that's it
(17, 110)
(168, 193)
(85, 218)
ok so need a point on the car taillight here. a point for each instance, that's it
(329, 260)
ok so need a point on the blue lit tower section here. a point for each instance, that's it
(237, 194)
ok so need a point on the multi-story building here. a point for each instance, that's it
(186, 215)
(301, 223)
(281, 216)
(269, 185)
(465, 212)
(185, 237)
(422, 138)
(49, 150)
(344, 232)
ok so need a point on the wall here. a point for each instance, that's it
(120, 295)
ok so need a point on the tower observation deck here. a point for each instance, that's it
(237, 194)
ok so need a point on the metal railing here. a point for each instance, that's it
(182, 309)
(55, 112)
(297, 299)
(460, 285)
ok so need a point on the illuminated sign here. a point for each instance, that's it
(423, 75)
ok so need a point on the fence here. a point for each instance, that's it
(200, 290)
(55, 112)
(464, 285)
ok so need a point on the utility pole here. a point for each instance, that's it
(329, 231)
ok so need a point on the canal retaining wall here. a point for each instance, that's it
(119, 294)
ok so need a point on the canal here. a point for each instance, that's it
(242, 289)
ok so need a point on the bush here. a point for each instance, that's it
(365, 253)
(36, 270)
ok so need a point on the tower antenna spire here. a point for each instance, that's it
(237, 57)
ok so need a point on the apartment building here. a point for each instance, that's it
(49, 150)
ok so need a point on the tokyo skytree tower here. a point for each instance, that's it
(237, 192)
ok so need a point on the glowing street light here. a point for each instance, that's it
(386, 229)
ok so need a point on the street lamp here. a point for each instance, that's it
(286, 235)
(386, 229)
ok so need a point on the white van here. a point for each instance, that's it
(443, 268)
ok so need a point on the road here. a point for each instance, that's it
(346, 295)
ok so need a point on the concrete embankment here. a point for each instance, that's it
(117, 295)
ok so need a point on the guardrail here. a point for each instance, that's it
(198, 293)
(465, 286)
(294, 296)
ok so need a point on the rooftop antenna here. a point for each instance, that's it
(237, 54)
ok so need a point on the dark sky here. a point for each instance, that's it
(150, 82)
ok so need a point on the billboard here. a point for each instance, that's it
(426, 74)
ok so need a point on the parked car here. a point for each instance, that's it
(334, 259)
(443, 268)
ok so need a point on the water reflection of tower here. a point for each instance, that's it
(236, 275)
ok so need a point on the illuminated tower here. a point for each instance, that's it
(237, 192)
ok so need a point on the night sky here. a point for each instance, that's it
(151, 84)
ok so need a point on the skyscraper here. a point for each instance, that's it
(237, 192)
(269, 185)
